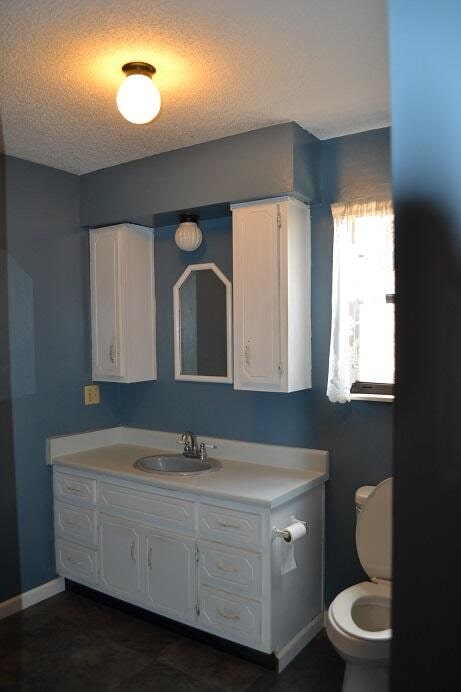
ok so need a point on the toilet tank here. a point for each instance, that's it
(362, 494)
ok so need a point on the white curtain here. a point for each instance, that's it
(360, 229)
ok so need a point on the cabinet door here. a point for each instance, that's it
(105, 254)
(171, 582)
(256, 240)
(119, 544)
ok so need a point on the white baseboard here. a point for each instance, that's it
(299, 641)
(30, 598)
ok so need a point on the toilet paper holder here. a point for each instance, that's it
(283, 533)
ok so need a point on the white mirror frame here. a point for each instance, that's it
(177, 325)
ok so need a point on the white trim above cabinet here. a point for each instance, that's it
(272, 321)
(123, 303)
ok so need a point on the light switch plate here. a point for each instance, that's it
(92, 395)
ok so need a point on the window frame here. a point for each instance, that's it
(373, 388)
(347, 299)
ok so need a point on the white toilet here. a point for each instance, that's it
(359, 619)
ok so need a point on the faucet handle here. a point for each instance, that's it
(203, 447)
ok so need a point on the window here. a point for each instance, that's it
(363, 286)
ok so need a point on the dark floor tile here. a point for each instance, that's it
(69, 615)
(70, 643)
(118, 627)
(83, 667)
(317, 674)
(159, 677)
(16, 626)
(209, 665)
(319, 646)
(143, 637)
(54, 636)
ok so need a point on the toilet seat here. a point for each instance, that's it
(373, 535)
(366, 593)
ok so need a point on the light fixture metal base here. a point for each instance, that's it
(139, 68)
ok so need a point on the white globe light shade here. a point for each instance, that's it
(188, 236)
(138, 99)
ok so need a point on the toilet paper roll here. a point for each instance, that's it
(295, 531)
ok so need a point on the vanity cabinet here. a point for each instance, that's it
(122, 303)
(211, 563)
(271, 288)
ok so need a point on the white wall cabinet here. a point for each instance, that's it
(123, 303)
(272, 334)
(214, 565)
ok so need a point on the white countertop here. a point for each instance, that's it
(236, 480)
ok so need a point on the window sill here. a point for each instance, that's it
(383, 398)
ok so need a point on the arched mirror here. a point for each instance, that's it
(202, 299)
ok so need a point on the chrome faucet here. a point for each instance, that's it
(189, 439)
(192, 449)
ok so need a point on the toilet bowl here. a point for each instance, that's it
(358, 623)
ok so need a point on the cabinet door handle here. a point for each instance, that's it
(228, 523)
(227, 568)
(246, 353)
(228, 616)
(133, 546)
(149, 557)
(112, 352)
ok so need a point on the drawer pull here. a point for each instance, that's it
(227, 568)
(73, 561)
(73, 489)
(228, 523)
(228, 616)
(73, 522)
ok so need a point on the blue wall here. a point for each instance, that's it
(48, 300)
(358, 435)
(48, 290)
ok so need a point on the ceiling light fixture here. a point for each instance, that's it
(188, 236)
(138, 99)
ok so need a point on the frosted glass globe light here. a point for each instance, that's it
(138, 99)
(188, 236)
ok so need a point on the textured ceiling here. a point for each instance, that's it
(223, 67)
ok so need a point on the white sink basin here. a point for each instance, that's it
(176, 464)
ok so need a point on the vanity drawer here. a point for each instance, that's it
(230, 570)
(74, 488)
(230, 526)
(75, 562)
(75, 523)
(160, 511)
(231, 616)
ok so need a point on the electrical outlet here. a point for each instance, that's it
(92, 394)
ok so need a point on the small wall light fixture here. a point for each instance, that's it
(138, 99)
(188, 236)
